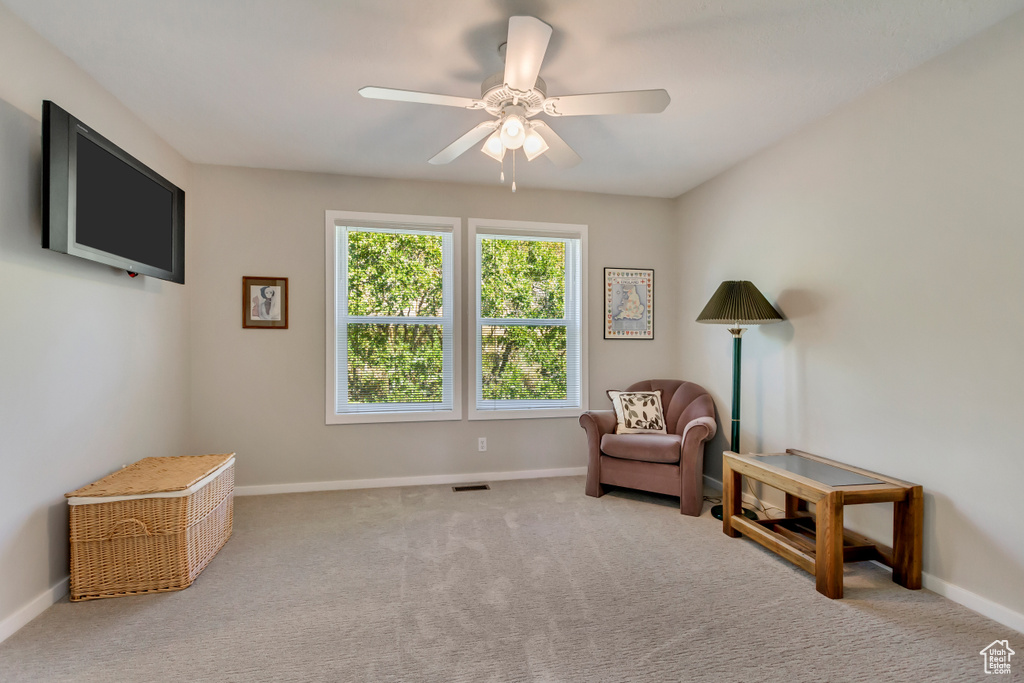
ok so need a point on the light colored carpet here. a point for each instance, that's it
(531, 581)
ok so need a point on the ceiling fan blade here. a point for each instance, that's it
(457, 148)
(560, 153)
(629, 102)
(375, 93)
(527, 42)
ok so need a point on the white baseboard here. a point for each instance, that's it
(972, 601)
(348, 484)
(33, 609)
(983, 606)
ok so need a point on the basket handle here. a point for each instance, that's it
(131, 520)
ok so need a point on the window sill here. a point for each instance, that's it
(371, 418)
(524, 413)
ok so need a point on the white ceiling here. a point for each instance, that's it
(272, 83)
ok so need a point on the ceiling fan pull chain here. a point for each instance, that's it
(502, 176)
(513, 170)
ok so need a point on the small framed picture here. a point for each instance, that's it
(628, 303)
(265, 302)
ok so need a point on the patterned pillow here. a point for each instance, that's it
(638, 412)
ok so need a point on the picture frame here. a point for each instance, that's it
(628, 303)
(265, 302)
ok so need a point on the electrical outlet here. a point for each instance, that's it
(481, 444)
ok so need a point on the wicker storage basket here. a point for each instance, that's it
(150, 527)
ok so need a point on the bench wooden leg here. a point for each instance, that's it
(907, 532)
(828, 556)
(731, 495)
(794, 505)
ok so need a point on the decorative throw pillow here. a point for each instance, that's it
(638, 412)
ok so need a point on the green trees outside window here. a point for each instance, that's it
(395, 363)
(399, 275)
(395, 275)
(522, 281)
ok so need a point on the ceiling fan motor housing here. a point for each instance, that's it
(496, 95)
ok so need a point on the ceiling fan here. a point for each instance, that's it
(517, 95)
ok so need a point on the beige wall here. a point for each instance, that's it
(93, 365)
(261, 392)
(890, 234)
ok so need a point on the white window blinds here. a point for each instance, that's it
(528, 337)
(393, 342)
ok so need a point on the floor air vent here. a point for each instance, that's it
(471, 487)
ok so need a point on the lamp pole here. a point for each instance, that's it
(737, 354)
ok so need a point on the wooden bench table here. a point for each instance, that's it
(818, 543)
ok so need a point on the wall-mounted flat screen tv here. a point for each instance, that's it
(102, 204)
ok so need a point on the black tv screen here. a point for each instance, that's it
(102, 204)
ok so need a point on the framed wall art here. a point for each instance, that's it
(628, 303)
(265, 302)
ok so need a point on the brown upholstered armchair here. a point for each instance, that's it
(671, 463)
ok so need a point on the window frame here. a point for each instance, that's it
(511, 228)
(390, 222)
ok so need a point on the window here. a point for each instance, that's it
(528, 288)
(392, 317)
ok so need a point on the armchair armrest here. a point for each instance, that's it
(705, 426)
(601, 420)
(691, 463)
(597, 423)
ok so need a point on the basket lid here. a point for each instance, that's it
(154, 475)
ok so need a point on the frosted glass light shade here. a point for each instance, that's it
(493, 146)
(534, 145)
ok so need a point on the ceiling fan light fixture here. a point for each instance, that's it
(513, 131)
(493, 146)
(534, 145)
(512, 127)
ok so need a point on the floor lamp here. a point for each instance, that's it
(737, 303)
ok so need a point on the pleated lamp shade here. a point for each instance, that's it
(738, 302)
